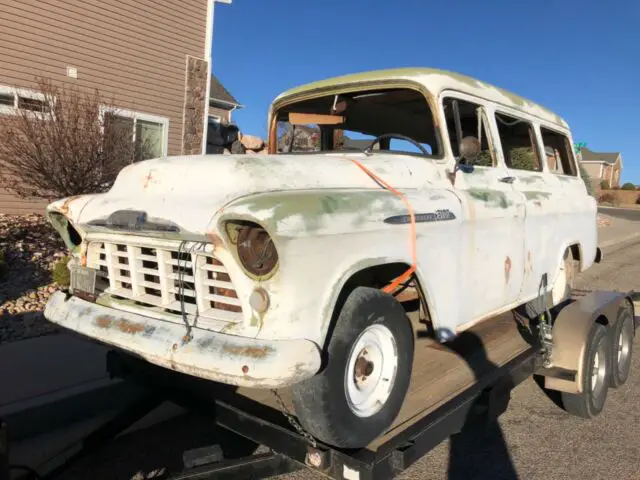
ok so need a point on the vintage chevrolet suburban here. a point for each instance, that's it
(286, 269)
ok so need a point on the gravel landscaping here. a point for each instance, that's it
(31, 247)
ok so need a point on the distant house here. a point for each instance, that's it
(602, 166)
(221, 103)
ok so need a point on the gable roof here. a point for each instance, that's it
(219, 93)
(607, 157)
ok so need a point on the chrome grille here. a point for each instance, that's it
(175, 281)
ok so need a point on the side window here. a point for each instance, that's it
(472, 122)
(518, 141)
(558, 153)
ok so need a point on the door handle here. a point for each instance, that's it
(507, 179)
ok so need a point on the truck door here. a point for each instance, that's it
(492, 266)
(545, 228)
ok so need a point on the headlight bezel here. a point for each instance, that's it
(254, 248)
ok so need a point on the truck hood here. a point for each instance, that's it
(188, 191)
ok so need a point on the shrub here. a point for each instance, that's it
(586, 178)
(3, 265)
(604, 185)
(61, 272)
(628, 186)
(609, 198)
(64, 146)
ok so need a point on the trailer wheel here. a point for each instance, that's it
(359, 393)
(622, 348)
(596, 375)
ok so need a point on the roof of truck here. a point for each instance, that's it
(435, 81)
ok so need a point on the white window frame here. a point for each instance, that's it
(121, 112)
(17, 93)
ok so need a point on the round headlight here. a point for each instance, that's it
(256, 250)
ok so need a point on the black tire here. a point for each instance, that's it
(590, 403)
(622, 343)
(536, 307)
(321, 402)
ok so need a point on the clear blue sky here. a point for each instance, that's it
(578, 58)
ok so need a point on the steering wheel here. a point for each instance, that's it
(367, 150)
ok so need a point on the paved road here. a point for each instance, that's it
(533, 440)
(624, 213)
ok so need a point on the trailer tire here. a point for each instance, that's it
(595, 376)
(349, 403)
(622, 347)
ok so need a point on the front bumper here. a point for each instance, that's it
(229, 359)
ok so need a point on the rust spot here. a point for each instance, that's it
(65, 206)
(215, 240)
(125, 326)
(507, 269)
(245, 369)
(148, 179)
(104, 321)
(252, 352)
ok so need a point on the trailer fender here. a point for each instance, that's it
(570, 331)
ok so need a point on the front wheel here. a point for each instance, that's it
(359, 393)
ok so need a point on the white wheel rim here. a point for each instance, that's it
(371, 370)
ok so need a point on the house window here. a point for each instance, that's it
(14, 99)
(147, 132)
(518, 143)
(558, 153)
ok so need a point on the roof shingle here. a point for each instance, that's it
(218, 92)
(590, 156)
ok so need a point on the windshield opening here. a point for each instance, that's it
(351, 122)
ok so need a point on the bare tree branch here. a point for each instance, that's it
(64, 146)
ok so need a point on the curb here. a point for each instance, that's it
(623, 240)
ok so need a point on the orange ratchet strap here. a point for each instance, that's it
(412, 234)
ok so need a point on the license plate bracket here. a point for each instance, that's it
(83, 279)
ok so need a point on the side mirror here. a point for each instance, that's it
(469, 148)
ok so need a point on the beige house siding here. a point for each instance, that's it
(225, 115)
(134, 51)
(593, 169)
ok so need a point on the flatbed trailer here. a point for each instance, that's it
(465, 381)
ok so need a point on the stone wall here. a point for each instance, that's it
(195, 93)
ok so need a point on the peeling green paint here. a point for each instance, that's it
(412, 73)
(535, 195)
(317, 209)
(493, 198)
(61, 224)
(528, 179)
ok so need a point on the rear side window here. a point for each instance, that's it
(558, 153)
(518, 141)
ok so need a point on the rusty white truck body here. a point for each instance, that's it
(170, 286)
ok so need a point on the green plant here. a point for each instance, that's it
(628, 186)
(61, 272)
(604, 185)
(586, 178)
